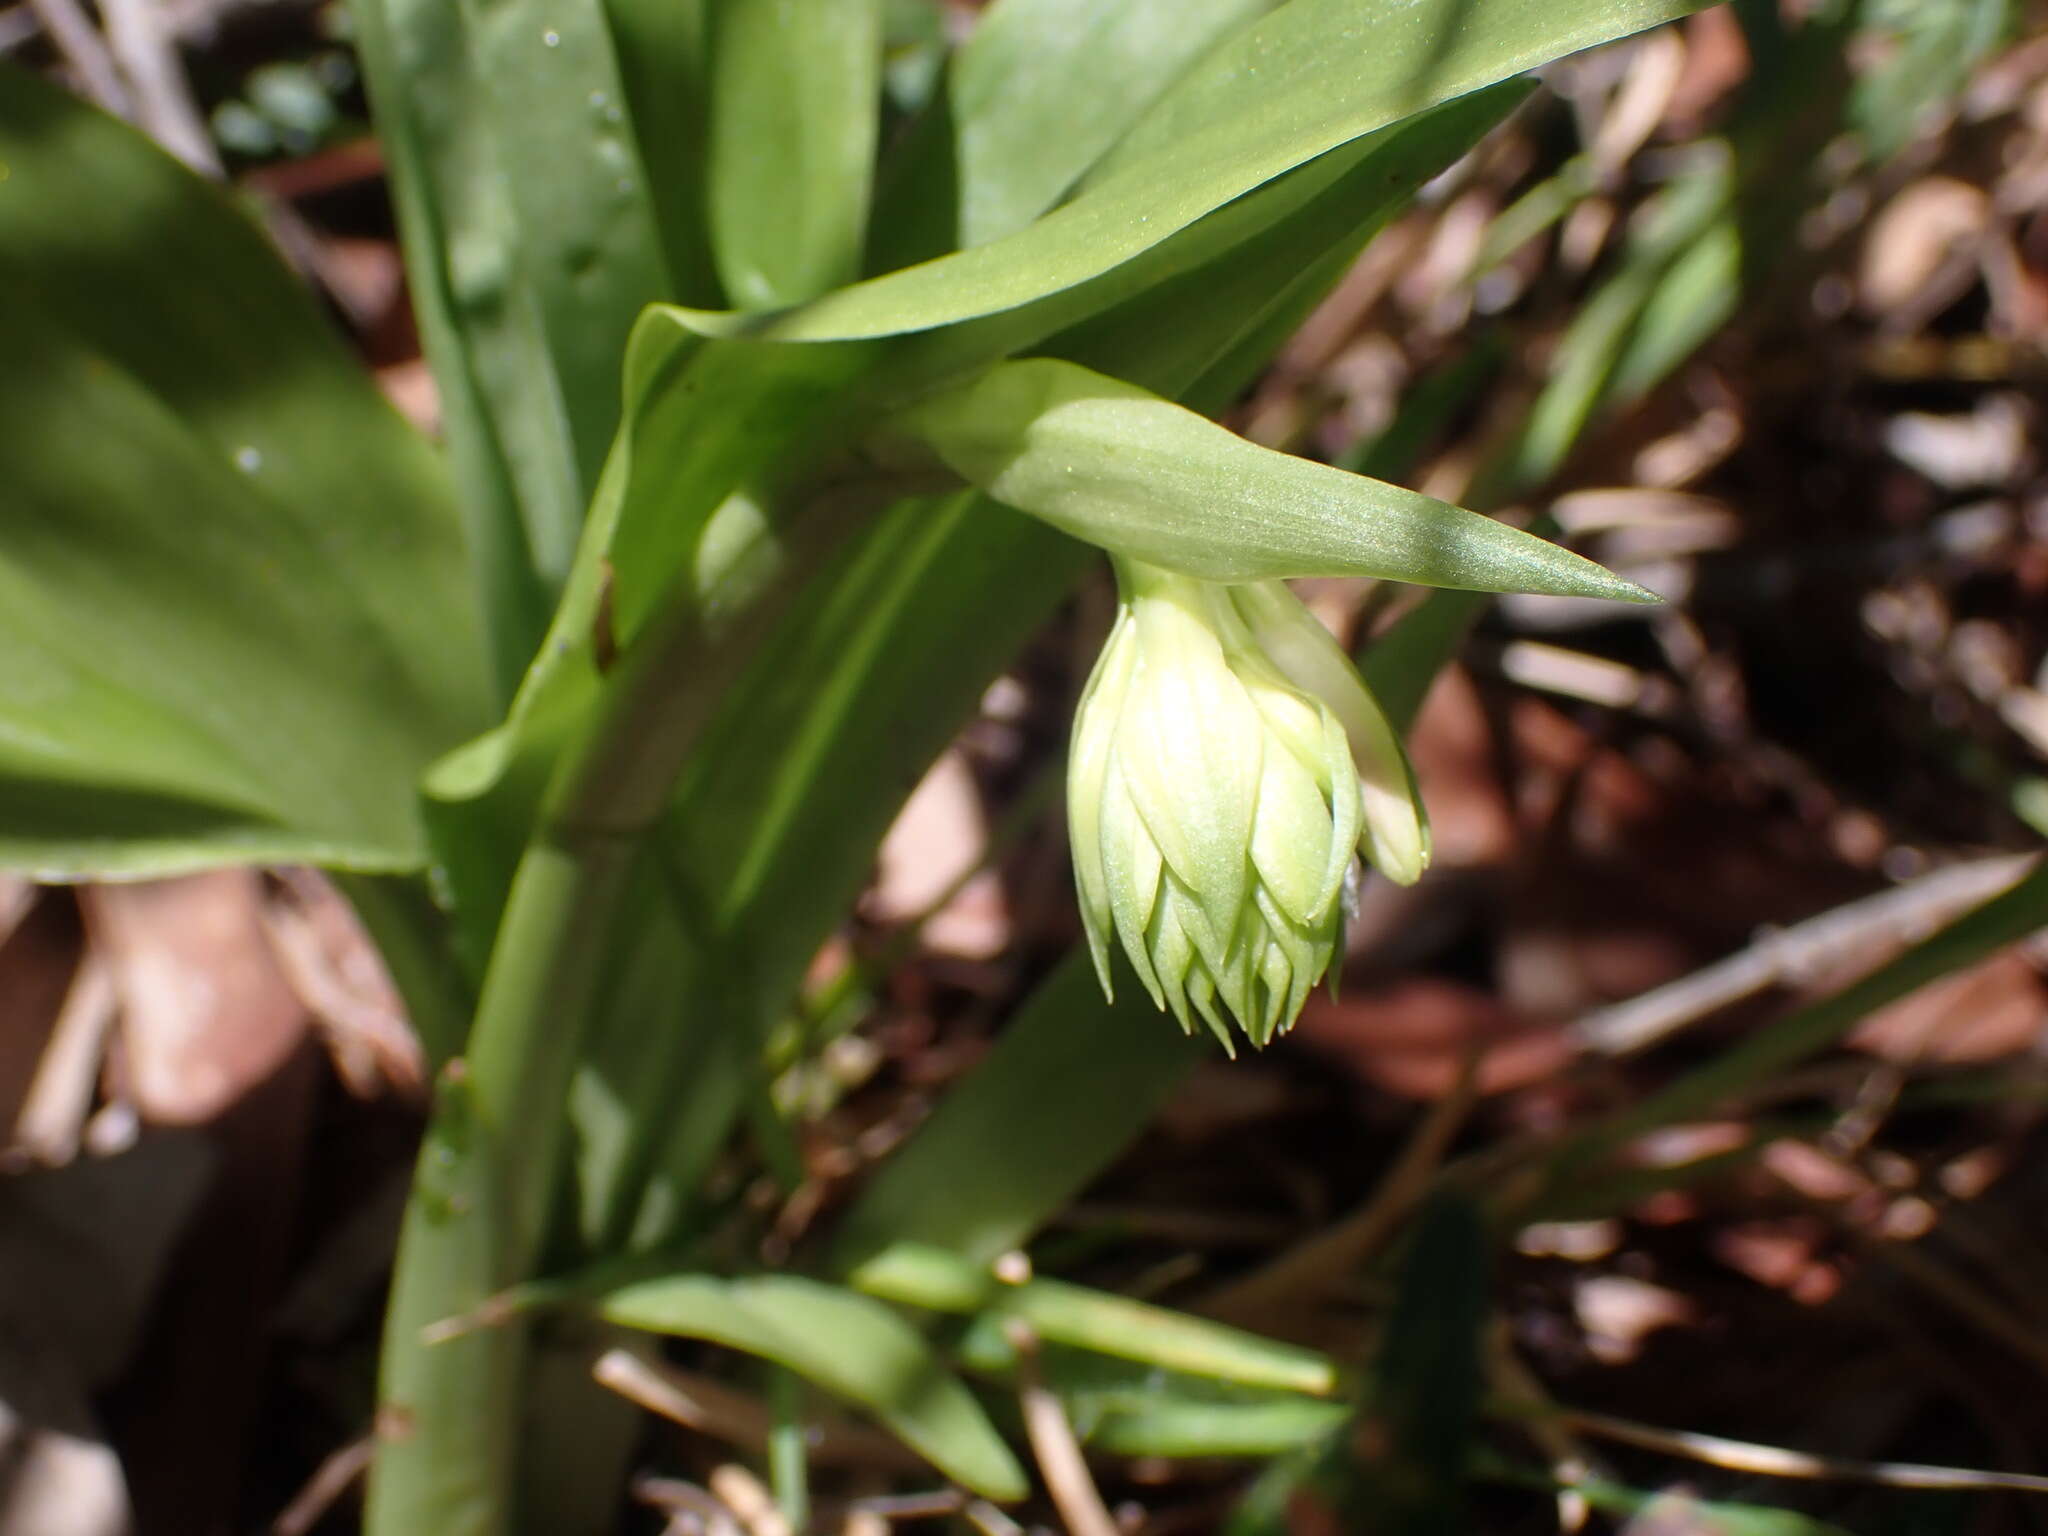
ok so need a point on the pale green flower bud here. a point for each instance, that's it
(1228, 764)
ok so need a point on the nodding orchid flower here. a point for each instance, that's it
(1228, 767)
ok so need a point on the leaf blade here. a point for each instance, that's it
(1118, 466)
(204, 497)
(853, 1347)
(1314, 75)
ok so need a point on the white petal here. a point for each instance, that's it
(1087, 768)
(1396, 831)
(1291, 836)
(1134, 873)
(1190, 742)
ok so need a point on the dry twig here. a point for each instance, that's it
(1054, 1444)
(1791, 954)
(330, 1480)
(164, 107)
(1775, 1461)
(85, 51)
(711, 1408)
(52, 1119)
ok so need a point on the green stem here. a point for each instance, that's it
(788, 1456)
(448, 1411)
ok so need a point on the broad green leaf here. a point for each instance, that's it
(1239, 269)
(1044, 87)
(531, 247)
(581, 238)
(795, 90)
(1305, 230)
(1117, 466)
(512, 464)
(1032, 99)
(1311, 76)
(854, 1348)
(236, 622)
(663, 64)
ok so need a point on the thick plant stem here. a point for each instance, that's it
(448, 1412)
(447, 1415)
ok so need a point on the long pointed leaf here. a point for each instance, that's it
(1118, 466)
(851, 1346)
(796, 88)
(530, 248)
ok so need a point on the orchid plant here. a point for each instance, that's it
(794, 358)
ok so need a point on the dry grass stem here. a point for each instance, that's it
(85, 51)
(53, 1116)
(1775, 1461)
(749, 1500)
(1793, 954)
(698, 1402)
(333, 1478)
(1054, 1444)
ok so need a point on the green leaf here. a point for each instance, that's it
(1583, 375)
(703, 421)
(235, 624)
(1192, 1430)
(664, 65)
(1428, 1378)
(530, 245)
(1067, 1087)
(580, 239)
(854, 1348)
(1117, 466)
(1081, 1318)
(1198, 334)
(1933, 46)
(795, 93)
(1044, 87)
(1032, 99)
(1311, 76)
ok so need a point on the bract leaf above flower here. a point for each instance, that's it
(1118, 466)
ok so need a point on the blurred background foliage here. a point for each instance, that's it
(1669, 1161)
